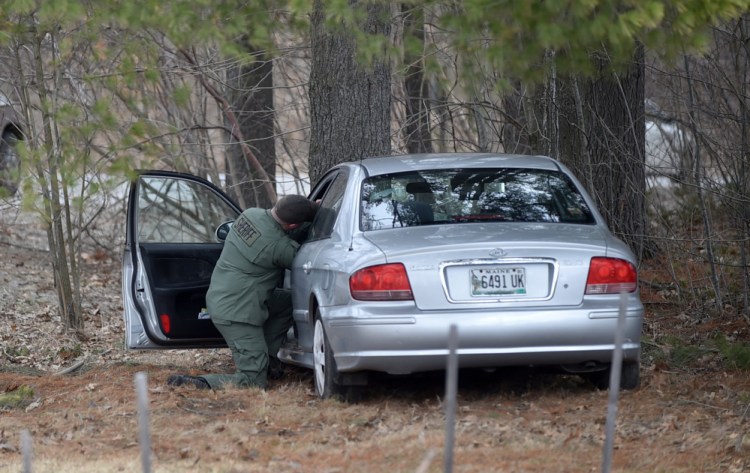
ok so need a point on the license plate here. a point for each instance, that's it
(498, 281)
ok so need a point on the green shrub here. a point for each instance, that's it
(18, 397)
(736, 354)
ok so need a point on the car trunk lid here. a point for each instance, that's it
(495, 264)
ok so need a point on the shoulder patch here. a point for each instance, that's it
(246, 230)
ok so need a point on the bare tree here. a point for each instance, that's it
(417, 102)
(250, 90)
(703, 213)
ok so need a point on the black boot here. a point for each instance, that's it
(275, 368)
(181, 379)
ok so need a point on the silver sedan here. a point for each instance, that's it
(510, 249)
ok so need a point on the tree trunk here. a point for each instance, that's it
(63, 254)
(417, 127)
(596, 126)
(250, 91)
(350, 102)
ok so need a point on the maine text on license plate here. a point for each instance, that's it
(498, 281)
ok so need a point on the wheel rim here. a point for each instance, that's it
(319, 357)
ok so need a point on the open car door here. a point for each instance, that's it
(170, 251)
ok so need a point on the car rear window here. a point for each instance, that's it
(455, 196)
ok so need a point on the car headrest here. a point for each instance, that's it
(418, 188)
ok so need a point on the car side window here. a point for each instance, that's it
(179, 211)
(329, 208)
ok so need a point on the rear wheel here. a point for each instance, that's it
(324, 364)
(630, 376)
(327, 384)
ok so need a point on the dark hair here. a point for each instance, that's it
(295, 209)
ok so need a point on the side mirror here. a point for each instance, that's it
(222, 231)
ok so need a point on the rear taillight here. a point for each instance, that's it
(384, 282)
(611, 276)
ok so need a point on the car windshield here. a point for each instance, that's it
(471, 195)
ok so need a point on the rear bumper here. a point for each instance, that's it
(415, 341)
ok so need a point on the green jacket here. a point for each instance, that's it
(252, 263)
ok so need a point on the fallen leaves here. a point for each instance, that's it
(5, 444)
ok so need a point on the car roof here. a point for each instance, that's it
(417, 162)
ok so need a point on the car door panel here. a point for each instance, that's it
(179, 278)
(171, 250)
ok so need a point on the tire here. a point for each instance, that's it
(325, 374)
(9, 164)
(630, 377)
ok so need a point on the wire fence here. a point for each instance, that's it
(451, 390)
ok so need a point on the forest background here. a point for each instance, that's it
(646, 101)
(261, 96)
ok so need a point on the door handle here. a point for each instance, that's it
(307, 267)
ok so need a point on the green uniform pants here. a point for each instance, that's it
(251, 344)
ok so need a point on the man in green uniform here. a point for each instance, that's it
(246, 305)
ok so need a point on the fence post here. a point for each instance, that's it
(26, 450)
(614, 385)
(451, 387)
(144, 435)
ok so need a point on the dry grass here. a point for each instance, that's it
(510, 421)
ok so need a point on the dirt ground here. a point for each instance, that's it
(77, 399)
